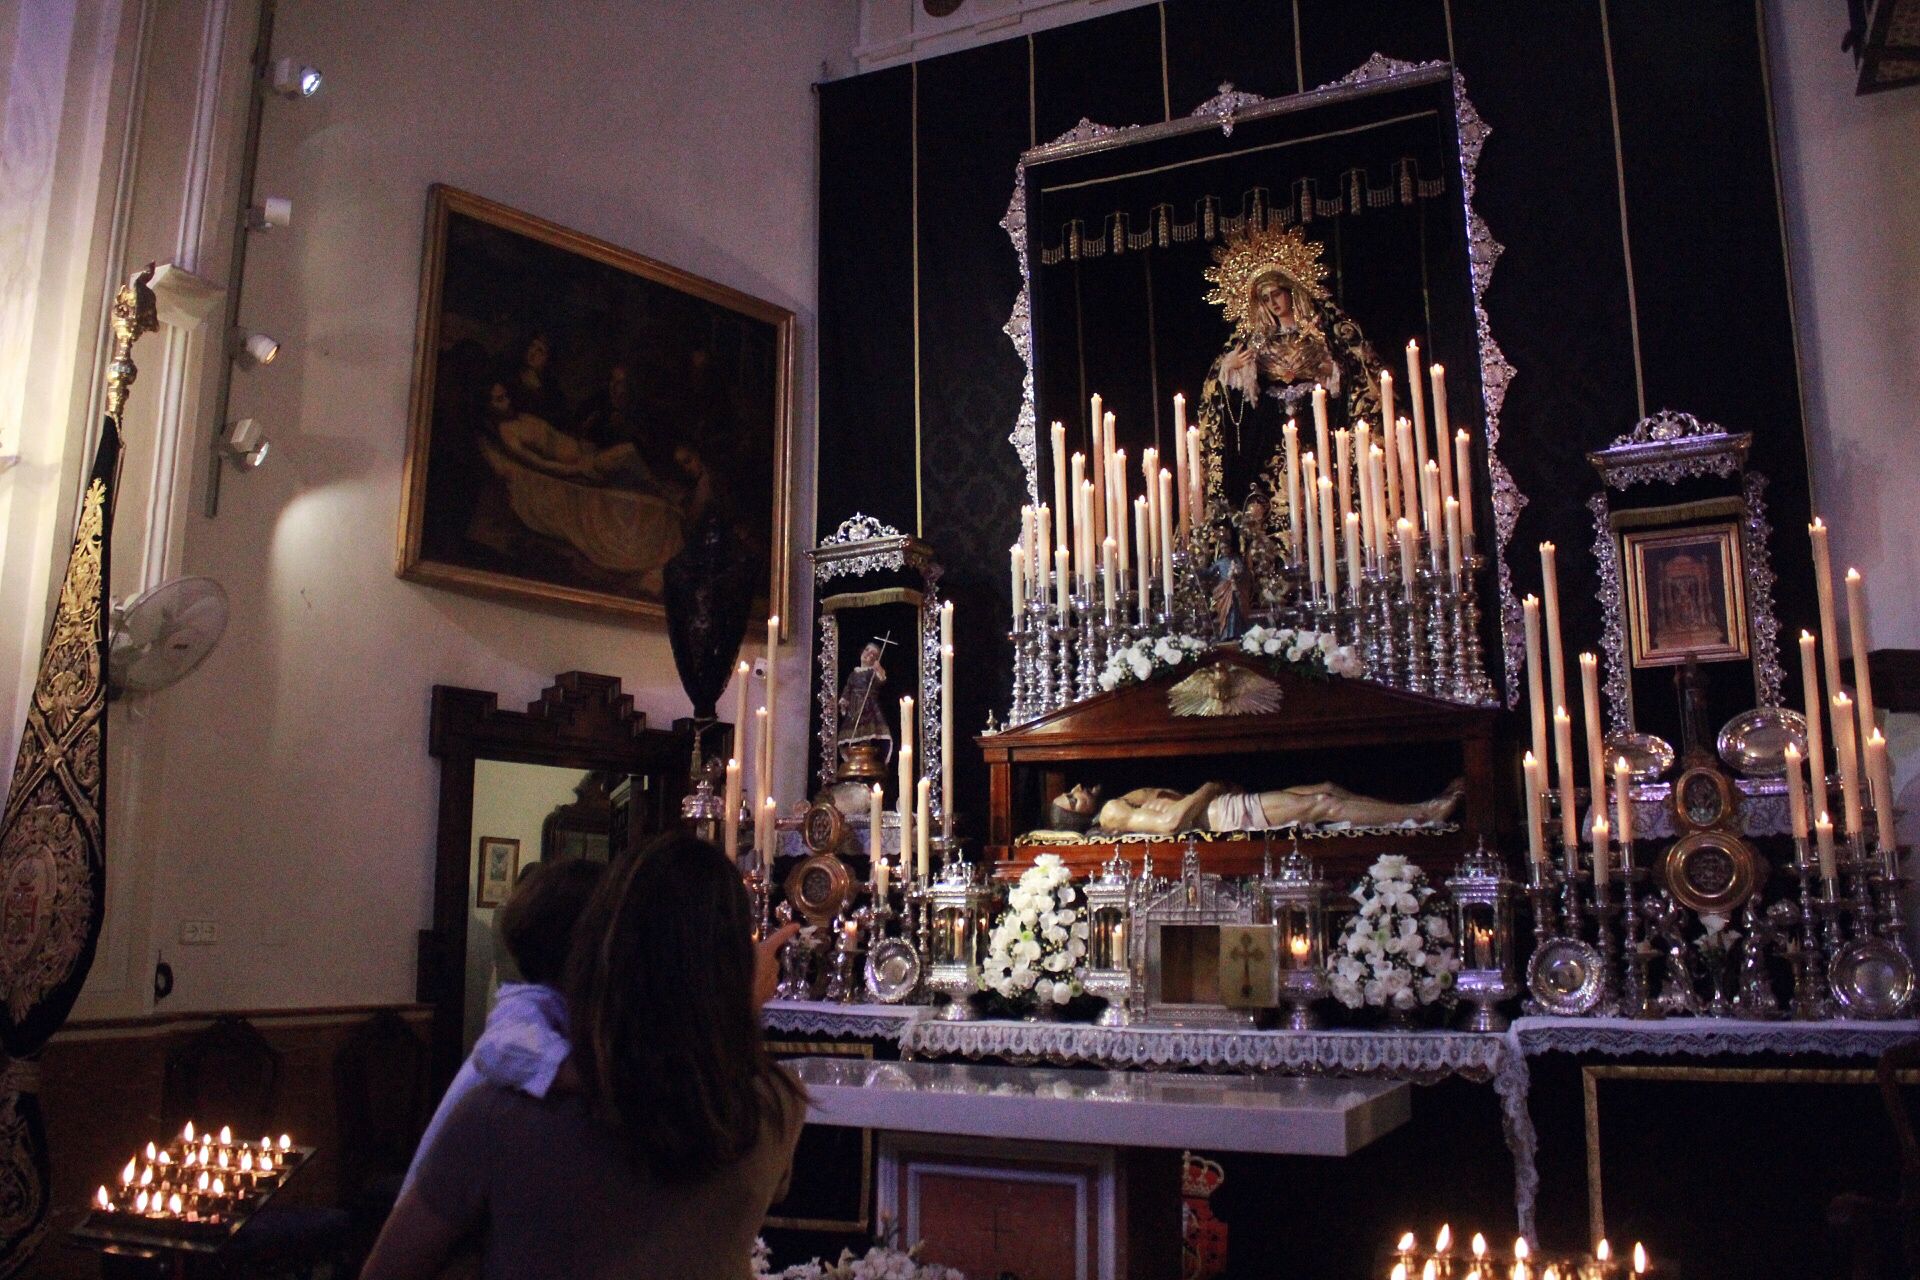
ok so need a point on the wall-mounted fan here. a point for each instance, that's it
(162, 634)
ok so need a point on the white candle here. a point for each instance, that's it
(1382, 512)
(876, 844)
(1100, 476)
(1602, 864)
(1823, 585)
(1550, 597)
(1536, 692)
(1181, 481)
(1453, 536)
(1117, 523)
(1823, 842)
(1027, 526)
(1463, 481)
(1077, 469)
(1417, 396)
(1106, 574)
(1386, 416)
(904, 803)
(1531, 769)
(1352, 536)
(1796, 792)
(730, 811)
(1062, 571)
(1320, 446)
(1097, 471)
(1042, 552)
(1019, 557)
(1880, 775)
(1569, 808)
(1149, 548)
(1430, 497)
(1290, 438)
(742, 681)
(1329, 544)
(1060, 481)
(1342, 467)
(1409, 470)
(1857, 633)
(1363, 479)
(1403, 530)
(763, 831)
(1847, 752)
(1623, 805)
(946, 730)
(923, 835)
(1166, 537)
(1816, 738)
(773, 715)
(1089, 537)
(1143, 568)
(1442, 433)
(1305, 521)
(1590, 706)
(1197, 477)
(761, 790)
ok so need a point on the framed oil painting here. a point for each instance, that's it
(581, 413)
(499, 868)
(1684, 595)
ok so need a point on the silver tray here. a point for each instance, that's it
(1872, 978)
(893, 970)
(1648, 757)
(1565, 976)
(1755, 742)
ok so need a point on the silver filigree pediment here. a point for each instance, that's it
(1668, 447)
(860, 528)
(1379, 67)
(1224, 105)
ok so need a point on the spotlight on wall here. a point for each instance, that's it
(245, 443)
(292, 79)
(256, 349)
(271, 212)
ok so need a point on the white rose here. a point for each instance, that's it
(1062, 992)
(1141, 667)
(1404, 998)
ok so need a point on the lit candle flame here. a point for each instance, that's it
(223, 1157)
(204, 1182)
(150, 1151)
(189, 1158)
(165, 1159)
(1521, 1249)
(1479, 1246)
(186, 1134)
(286, 1143)
(140, 1202)
(219, 1186)
(146, 1176)
(1443, 1241)
(246, 1162)
(1521, 1271)
(1431, 1271)
(1399, 1271)
(100, 1198)
(266, 1144)
(1603, 1252)
(174, 1204)
(127, 1174)
(1406, 1243)
(1639, 1258)
(226, 1136)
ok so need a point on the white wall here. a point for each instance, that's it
(1852, 195)
(299, 806)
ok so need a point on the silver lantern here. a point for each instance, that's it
(1110, 938)
(1297, 904)
(1483, 930)
(956, 936)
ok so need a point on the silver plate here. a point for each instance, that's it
(893, 970)
(1648, 757)
(1872, 978)
(1564, 976)
(1755, 742)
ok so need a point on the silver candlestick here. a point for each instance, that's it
(1433, 591)
(1479, 686)
(1414, 622)
(1811, 1003)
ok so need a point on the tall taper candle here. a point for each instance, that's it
(1060, 482)
(742, 681)
(1463, 483)
(1816, 738)
(1149, 550)
(1391, 471)
(1351, 535)
(1342, 469)
(1063, 571)
(730, 821)
(1590, 708)
(763, 831)
(1550, 598)
(1453, 535)
(1417, 397)
(761, 790)
(1019, 558)
(1180, 461)
(1107, 433)
(1535, 784)
(1823, 840)
(1117, 522)
(1106, 574)
(922, 830)
(1623, 807)
(1403, 531)
(876, 844)
(1536, 691)
(904, 803)
(1409, 471)
(1847, 753)
(1442, 432)
(1376, 468)
(1436, 519)
(1145, 565)
(1197, 477)
(1329, 544)
(1321, 449)
(1569, 802)
(1089, 537)
(1029, 521)
(1290, 440)
(1077, 469)
(1602, 833)
(1857, 634)
(1166, 538)
(946, 738)
(1880, 775)
(1043, 552)
(773, 703)
(1823, 586)
(1796, 792)
(1387, 418)
(1306, 521)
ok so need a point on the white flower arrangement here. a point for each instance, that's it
(882, 1261)
(1396, 950)
(1320, 652)
(1039, 943)
(1149, 655)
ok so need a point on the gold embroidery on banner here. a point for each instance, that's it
(23, 1194)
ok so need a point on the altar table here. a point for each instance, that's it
(1422, 1057)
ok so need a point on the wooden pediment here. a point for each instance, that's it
(1139, 719)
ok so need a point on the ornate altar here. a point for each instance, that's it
(1320, 729)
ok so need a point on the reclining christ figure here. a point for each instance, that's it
(1217, 807)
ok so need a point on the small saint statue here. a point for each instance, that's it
(865, 739)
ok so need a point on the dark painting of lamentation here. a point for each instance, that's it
(581, 411)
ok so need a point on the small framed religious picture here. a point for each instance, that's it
(499, 868)
(1685, 595)
(591, 428)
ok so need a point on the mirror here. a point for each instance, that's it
(578, 774)
(1245, 254)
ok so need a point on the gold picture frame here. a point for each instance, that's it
(1686, 595)
(499, 867)
(577, 407)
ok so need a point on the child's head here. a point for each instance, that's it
(537, 922)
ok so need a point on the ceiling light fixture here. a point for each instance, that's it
(257, 349)
(293, 79)
(245, 443)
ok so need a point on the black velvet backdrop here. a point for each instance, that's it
(917, 167)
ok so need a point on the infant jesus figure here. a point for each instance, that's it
(1217, 807)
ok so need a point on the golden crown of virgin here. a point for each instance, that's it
(1248, 255)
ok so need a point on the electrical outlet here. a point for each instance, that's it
(759, 668)
(199, 933)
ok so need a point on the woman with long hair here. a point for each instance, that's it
(679, 1132)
